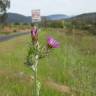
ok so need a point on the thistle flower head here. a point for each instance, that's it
(52, 43)
(34, 32)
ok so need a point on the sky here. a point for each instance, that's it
(49, 7)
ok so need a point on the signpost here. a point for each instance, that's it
(36, 17)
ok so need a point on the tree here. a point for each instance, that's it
(4, 5)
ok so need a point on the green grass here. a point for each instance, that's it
(73, 65)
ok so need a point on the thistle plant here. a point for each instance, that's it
(35, 53)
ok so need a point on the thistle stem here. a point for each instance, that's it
(35, 82)
(35, 76)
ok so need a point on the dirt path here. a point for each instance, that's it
(58, 87)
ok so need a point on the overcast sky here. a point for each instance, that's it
(47, 7)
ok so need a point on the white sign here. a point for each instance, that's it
(36, 16)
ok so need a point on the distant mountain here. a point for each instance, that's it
(57, 17)
(88, 17)
(18, 18)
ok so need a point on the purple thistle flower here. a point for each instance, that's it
(52, 43)
(34, 32)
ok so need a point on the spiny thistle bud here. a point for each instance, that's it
(34, 34)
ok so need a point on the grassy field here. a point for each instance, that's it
(68, 71)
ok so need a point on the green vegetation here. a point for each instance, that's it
(72, 65)
(15, 27)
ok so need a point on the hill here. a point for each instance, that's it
(88, 18)
(57, 17)
(14, 18)
(84, 21)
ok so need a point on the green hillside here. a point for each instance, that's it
(87, 17)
